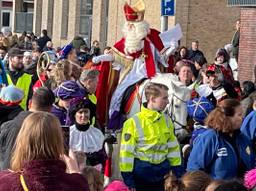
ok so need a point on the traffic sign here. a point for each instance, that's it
(167, 8)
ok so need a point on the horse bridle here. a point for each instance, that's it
(171, 112)
(139, 97)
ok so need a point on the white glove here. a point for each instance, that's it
(173, 46)
(117, 66)
(102, 58)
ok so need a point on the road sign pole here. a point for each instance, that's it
(164, 23)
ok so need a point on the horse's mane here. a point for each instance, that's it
(167, 79)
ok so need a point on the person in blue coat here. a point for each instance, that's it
(249, 124)
(3, 77)
(198, 109)
(223, 151)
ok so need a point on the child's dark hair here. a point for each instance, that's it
(233, 185)
(200, 60)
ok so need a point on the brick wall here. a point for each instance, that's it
(116, 18)
(210, 22)
(182, 17)
(247, 44)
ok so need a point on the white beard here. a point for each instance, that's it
(134, 36)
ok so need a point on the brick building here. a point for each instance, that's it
(6, 13)
(247, 42)
(64, 19)
(210, 22)
(22, 9)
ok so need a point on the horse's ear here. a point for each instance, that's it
(173, 86)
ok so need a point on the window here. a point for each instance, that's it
(85, 25)
(242, 3)
(86, 19)
(24, 22)
(5, 19)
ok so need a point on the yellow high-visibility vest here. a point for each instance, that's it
(23, 83)
(93, 99)
(148, 136)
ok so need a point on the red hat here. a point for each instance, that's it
(211, 68)
(215, 70)
(136, 12)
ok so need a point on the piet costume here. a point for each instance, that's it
(85, 137)
(133, 66)
(67, 90)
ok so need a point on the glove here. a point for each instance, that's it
(173, 46)
(110, 139)
(102, 58)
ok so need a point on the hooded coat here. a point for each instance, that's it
(8, 113)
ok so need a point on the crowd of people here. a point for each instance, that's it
(62, 108)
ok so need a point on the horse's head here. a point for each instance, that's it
(178, 96)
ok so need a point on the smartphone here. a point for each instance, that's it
(65, 131)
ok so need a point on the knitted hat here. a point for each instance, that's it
(65, 51)
(68, 90)
(15, 52)
(11, 95)
(27, 53)
(117, 185)
(199, 108)
(80, 103)
(250, 179)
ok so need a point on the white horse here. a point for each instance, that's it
(179, 94)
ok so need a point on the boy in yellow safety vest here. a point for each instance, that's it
(149, 148)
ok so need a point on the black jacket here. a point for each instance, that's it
(42, 41)
(8, 134)
(194, 53)
(7, 113)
